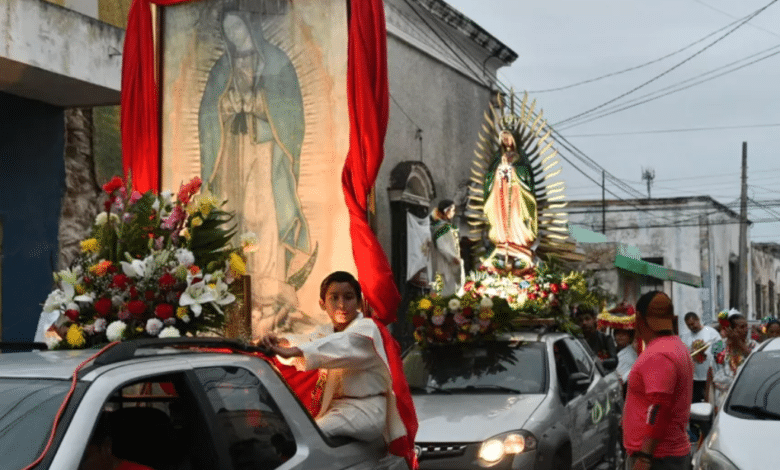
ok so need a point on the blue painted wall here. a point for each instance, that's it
(32, 182)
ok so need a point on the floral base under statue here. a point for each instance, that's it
(154, 266)
(489, 304)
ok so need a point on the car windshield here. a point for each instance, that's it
(756, 393)
(493, 367)
(27, 409)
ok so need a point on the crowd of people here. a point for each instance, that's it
(664, 369)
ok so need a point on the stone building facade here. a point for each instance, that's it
(692, 238)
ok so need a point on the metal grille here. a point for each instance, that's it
(437, 451)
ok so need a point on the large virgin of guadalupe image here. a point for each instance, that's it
(251, 130)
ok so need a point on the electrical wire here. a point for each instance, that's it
(749, 17)
(732, 16)
(624, 106)
(636, 67)
(669, 131)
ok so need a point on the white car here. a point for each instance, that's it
(745, 432)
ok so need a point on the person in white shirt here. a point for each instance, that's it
(695, 339)
(357, 400)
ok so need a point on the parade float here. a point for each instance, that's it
(519, 237)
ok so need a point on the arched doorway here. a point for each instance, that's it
(411, 191)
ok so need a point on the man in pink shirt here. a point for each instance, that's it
(657, 409)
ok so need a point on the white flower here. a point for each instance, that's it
(197, 294)
(72, 306)
(454, 304)
(55, 300)
(474, 328)
(185, 257)
(224, 297)
(138, 268)
(154, 326)
(438, 320)
(486, 302)
(101, 219)
(169, 332)
(100, 325)
(52, 341)
(115, 330)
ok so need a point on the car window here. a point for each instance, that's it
(27, 410)
(491, 367)
(156, 422)
(756, 392)
(581, 357)
(254, 428)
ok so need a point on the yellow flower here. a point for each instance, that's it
(206, 203)
(75, 336)
(418, 336)
(237, 265)
(101, 268)
(197, 221)
(181, 312)
(185, 233)
(80, 289)
(424, 304)
(90, 245)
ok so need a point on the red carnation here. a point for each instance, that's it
(72, 314)
(120, 281)
(149, 295)
(136, 308)
(167, 281)
(531, 296)
(113, 185)
(564, 286)
(133, 293)
(467, 312)
(103, 306)
(554, 288)
(543, 294)
(164, 311)
(113, 269)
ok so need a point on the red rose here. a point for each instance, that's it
(167, 281)
(149, 295)
(136, 308)
(554, 288)
(120, 281)
(113, 185)
(418, 321)
(133, 293)
(72, 314)
(531, 296)
(164, 311)
(564, 286)
(467, 312)
(113, 269)
(103, 306)
(543, 294)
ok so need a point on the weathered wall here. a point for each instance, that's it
(31, 186)
(765, 258)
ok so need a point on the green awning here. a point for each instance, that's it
(656, 270)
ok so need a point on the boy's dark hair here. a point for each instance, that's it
(690, 315)
(444, 204)
(340, 276)
(735, 317)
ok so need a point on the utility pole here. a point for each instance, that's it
(603, 205)
(742, 277)
(649, 175)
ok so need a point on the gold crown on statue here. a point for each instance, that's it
(509, 122)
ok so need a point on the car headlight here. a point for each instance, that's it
(713, 460)
(516, 442)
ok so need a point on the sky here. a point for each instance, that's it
(690, 139)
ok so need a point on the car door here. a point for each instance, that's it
(595, 426)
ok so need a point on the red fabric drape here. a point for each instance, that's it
(368, 96)
(140, 118)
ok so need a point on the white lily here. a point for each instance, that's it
(138, 268)
(197, 294)
(224, 297)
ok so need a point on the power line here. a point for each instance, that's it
(623, 106)
(404, 112)
(751, 16)
(636, 67)
(732, 16)
(667, 131)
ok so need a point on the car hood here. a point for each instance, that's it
(471, 418)
(746, 442)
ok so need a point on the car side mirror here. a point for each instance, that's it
(578, 382)
(610, 363)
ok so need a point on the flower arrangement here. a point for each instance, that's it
(723, 319)
(699, 345)
(488, 304)
(154, 266)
